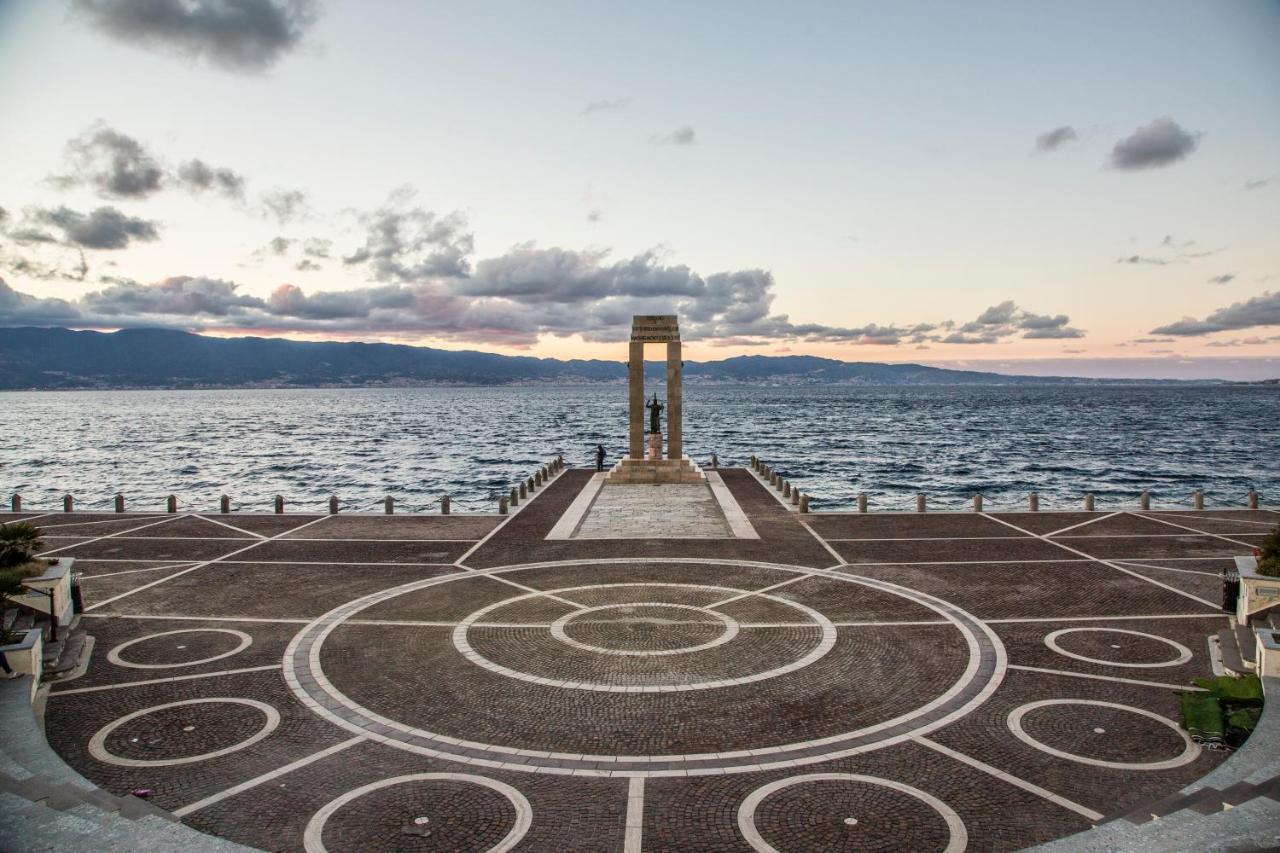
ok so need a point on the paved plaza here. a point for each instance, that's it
(838, 681)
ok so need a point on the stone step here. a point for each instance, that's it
(1246, 643)
(1231, 659)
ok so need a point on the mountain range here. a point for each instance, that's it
(34, 358)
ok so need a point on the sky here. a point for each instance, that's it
(1075, 188)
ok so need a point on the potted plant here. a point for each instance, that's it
(19, 542)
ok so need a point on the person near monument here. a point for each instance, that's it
(599, 457)
(655, 411)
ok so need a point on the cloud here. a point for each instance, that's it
(198, 176)
(21, 309)
(1158, 144)
(239, 35)
(605, 106)
(1261, 310)
(115, 165)
(1056, 138)
(680, 136)
(594, 215)
(284, 205)
(1257, 183)
(307, 265)
(1006, 320)
(317, 247)
(179, 296)
(279, 245)
(1142, 259)
(409, 243)
(1225, 278)
(103, 228)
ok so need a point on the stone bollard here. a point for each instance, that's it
(754, 462)
(502, 505)
(224, 505)
(795, 497)
(715, 461)
(15, 503)
(333, 505)
(537, 478)
(532, 485)
(782, 482)
(1144, 500)
(68, 503)
(389, 505)
(1252, 500)
(804, 503)
(1088, 502)
(1033, 502)
(862, 502)
(1198, 499)
(786, 488)
(523, 492)
(774, 479)
(119, 502)
(444, 505)
(977, 503)
(171, 503)
(920, 502)
(515, 497)
(546, 473)
(279, 504)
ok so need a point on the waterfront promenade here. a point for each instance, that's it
(743, 677)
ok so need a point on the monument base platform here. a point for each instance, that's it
(650, 471)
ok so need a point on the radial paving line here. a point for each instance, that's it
(1168, 569)
(635, 815)
(1108, 563)
(1084, 523)
(739, 524)
(1217, 615)
(1153, 516)
(266, 777)
(228, 526)
(752, 592)
(1138, 681)
(1029, 787)
(194, 677)
(832, 551)
(84, 577)
(177, 617)
(201, 565)
(87, 523)
(110, 535)
(1194, 530)
(26, 518)
(513, 512)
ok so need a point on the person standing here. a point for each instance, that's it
(599, 457)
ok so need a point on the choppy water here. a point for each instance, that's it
(420, 443)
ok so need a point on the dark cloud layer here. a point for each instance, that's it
(1160, 143)
(115, 165)
(240, 35)
(198, 176)
(103, 228)
(1261, 310)
(1056, 138)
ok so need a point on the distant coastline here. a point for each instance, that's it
(52, 359)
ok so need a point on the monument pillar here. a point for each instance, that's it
(675, 368)
(635, 381)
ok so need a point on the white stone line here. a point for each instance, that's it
(1108, 563)
(84, 577)
(1140, 682)
(148, 681)
(572, 517)
(1201, 532)
(266, 777)
(1084, 523)
(164, 538)
(823, 542)
(957, 841)
(1106, 618)
(1183, 654)
(739, 524)
(550, 595)
(177, 574)
(110, 535)
(1167, 569)
(729, 625)
(635, 815)
(1030, 787)
(871, 624)
(26, 518)
(98, 748)
(184, 618)
(1202, 518)
(336, 540)
(1190, 751)
(1147, 535)
(777, 493)
(511, 513)
(115, 657)
(750, 593)
(311, 838)
(116, 520)
(213, 520)
(923, 539)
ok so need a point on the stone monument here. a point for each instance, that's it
(651, 467)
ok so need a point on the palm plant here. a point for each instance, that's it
(19, 542)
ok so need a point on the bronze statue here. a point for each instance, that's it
(655, 409)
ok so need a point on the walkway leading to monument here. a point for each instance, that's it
(604, 510)
(843, 681)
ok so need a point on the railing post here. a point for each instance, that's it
(920, 502)
(15, 503)
(279, 504)
(537, 477)
(786, 488)
(804, 503)
(1088, 502)
(68, 503)
(1033, 502)
(502, 505)
(389, 505)
(1144, 500)
(523, 492)
(224, 505)
(1252, 500)
(515, 497)
(333, 505)
(795, 496)
(444, 505)
(119, 502)
(977, 503)
(862, 502)
(532, 485)
(171, 503)
(1198, 499)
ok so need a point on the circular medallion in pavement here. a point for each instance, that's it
(173, 649)
(1103, 734)
(847, 811)
(745, 676)
(1117, 647)
(167, 734)
(434, 811)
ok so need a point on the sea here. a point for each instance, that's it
(473, 443)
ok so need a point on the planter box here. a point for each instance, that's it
(57, 579)
(27, 656)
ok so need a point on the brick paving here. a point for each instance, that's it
(360, 682)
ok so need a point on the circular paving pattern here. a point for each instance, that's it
(891, 815)
(1105, 729)
(473, 812)
(1150, 651)
(166, 730)
(655, 657)
(176, 652)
